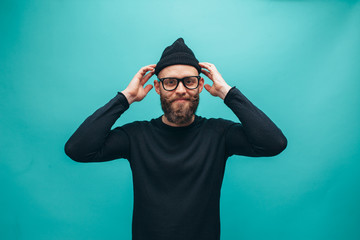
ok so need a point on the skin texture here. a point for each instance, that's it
(180, 104)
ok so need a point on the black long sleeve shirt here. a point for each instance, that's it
(177, 171)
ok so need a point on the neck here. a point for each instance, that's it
(167, 122)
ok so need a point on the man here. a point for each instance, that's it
(177, 160)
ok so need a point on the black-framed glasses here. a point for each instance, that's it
(170, 84)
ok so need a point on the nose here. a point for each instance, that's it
(181, 88)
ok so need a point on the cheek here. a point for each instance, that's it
(164, 94)
(195, 94)
(167, 94)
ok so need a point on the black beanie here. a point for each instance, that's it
(177, 53)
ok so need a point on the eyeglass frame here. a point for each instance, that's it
(178, 81)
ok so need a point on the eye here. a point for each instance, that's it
(170, 81)
(190, 81)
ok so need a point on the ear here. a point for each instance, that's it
(157, 86)
(201, 84)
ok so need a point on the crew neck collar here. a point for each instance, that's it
(161, 124)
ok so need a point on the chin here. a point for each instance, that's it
(180, 106)
(181, 102)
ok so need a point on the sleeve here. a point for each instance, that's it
(94, 141)
(256, 135)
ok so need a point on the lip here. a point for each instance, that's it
(181, 100)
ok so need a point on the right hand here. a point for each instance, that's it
(136, 91)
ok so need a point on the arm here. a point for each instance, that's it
(94, 141)
(257, 135)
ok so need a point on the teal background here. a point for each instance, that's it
(298, 61)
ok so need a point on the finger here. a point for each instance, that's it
(148, 88)
(206, 73)
(207, 87)
(212, 66)
(205, 70)
(142, 71)
(151, 66)
(147, 77)
(204, 65)
(146, 69)
(208, 66)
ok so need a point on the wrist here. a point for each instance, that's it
(224, 91)
(128, 96)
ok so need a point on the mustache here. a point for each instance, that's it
(192, 99)
(187, 99)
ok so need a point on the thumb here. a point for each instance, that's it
(207, 87)
(148, 88)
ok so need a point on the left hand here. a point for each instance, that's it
(219, 88)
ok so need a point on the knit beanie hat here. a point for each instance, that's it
(177, 53)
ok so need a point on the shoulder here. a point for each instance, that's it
(216, 124)
(215, 121)
(135, 126)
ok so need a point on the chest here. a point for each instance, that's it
(177, 154)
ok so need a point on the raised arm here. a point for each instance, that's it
(256, 135)
(94, 141)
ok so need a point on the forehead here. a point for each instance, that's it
(178, 71)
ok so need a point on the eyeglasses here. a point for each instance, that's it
(170, 84)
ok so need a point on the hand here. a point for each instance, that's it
(136, 91)
(219, 88)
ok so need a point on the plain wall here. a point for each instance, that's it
(298, 61)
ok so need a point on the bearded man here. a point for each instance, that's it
(177, 160)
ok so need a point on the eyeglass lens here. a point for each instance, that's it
(189, 82)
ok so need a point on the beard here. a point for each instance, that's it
(182, 112)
